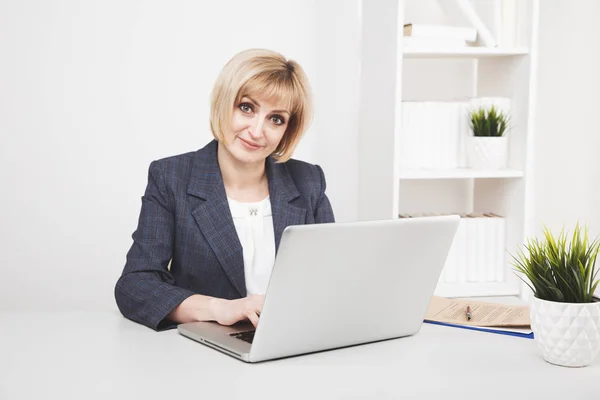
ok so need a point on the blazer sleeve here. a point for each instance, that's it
(323, 210)
(146, 291)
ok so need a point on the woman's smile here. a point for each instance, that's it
(250, 145)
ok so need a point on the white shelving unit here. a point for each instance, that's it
(392, 74)
(467, 52)
(459, 173)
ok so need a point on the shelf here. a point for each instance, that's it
(463, 52)
(397, 173)
(463, 173)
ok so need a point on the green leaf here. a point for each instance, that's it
(486, 122)
(559, 268)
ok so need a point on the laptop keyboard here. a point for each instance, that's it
(246, 336)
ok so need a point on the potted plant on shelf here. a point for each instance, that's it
(565, 314)
(487, 148)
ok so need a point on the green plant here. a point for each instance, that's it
(558, 269)
(488, 122)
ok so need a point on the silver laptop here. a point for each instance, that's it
(340, 284)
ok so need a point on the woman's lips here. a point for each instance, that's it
(250, 145)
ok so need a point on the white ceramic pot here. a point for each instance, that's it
(567, 334)
(487, 153)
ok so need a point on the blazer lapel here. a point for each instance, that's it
(213, 215)
(282, 191)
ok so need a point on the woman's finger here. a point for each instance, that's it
(258, 302)
(253, 318)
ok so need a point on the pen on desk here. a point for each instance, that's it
(468, 313)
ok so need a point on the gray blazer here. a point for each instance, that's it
(185, 219)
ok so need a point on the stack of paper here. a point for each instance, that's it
(488, 317)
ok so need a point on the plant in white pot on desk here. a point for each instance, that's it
(487, 148)
(565, 315)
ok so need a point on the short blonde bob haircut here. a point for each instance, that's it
(270, 74)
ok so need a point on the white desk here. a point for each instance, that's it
(104, 356)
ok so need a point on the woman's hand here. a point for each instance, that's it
(228, 312)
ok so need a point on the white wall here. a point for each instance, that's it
(90, 93)
(567, 135)
(337, 94)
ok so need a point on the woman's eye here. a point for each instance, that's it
(245, 107)
(277, 120)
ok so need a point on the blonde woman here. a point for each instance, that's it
(217, 214)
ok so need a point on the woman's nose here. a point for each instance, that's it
(256, 129)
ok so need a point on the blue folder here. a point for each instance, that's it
(479, 328)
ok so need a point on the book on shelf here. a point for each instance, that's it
(509, 23)
(410, 41)
(477, 253)
(496, 21)
(440, 32)
(463, 10)
(500, 16)
(433, 134)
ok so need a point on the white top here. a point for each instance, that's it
(254, 225)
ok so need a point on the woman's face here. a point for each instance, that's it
(257, 126)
